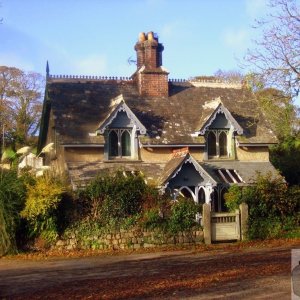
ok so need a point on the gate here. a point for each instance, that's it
(225, 226)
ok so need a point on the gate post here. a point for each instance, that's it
(244, 220)
(237, 224)
(206, 215)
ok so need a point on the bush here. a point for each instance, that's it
(12, 198)
(273, 206)
(113, 197)
(42, 199)
(152, 218)
(183, 215)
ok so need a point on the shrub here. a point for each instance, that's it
(273, 206)
(152, 218)
(12, 198)
(113, 197)
(42, 199)
(183, 215)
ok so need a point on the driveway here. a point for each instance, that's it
(258, 273)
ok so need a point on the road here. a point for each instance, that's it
(261, 273)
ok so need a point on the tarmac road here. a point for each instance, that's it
(189, 274)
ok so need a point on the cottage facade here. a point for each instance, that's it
(193, 138)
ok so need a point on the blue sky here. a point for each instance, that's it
(96, 37)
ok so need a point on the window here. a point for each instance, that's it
(119, 143)
(217, 143)
(212, 144)
(223, 143)
(201, 196)
(228, 175)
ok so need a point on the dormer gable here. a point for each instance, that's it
(120, 116)
(175, 168)
(220, 118)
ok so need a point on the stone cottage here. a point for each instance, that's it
(188, 137)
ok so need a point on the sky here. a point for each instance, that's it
(97, 37)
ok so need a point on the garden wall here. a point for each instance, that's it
(130, 239)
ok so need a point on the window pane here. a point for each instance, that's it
(126, 144)
(201, 196)
(113, 143)
(212, 144)
(223, 143)
(215, 201)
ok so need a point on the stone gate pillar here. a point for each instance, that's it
(244, 220)
(206, 216)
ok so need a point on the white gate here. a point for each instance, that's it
(225, 226)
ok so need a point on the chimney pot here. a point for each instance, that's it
(150, 36)
(142, 37)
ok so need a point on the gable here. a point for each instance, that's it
(121, 121)
(185, 170)
(220, 122)
(187, 175)
(221, 118)
(119, 116)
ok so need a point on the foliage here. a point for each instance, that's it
(275, 55)
(286, 158)
(10, 157)
(41, 203)
(279, 110)
(116, 201)
(272, 205)
(183, 213)
(12, 197)
(263, 228)
(20, 104)
(113, 197)
(152, 218)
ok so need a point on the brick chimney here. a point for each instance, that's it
(151, 77)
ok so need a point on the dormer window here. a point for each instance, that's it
(217, 143)
(121, 129)
(219, 131)
(119, 141)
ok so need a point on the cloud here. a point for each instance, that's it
(91, 65)
(255, 8)
(236, 39)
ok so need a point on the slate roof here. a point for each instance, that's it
(79, 106)
(82, 172)
(247, 170)
(160, 173)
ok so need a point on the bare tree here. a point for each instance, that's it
(276, 55)
(20, 104)
(231, 76)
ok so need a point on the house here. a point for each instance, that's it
(188, 137)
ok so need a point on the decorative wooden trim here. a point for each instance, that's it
(121, 107)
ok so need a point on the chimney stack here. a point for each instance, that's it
(151, 78)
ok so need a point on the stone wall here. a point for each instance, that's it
(130, 239)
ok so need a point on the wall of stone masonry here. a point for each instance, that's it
(130, 239)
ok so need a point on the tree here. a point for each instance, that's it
(231, 76)
(279, 110)
(20, 104)
(276, 55)
(277, 107)
(286, 158)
